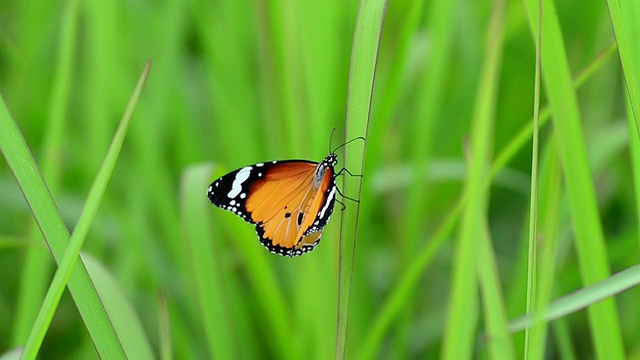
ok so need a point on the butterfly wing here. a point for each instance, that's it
(289, 201)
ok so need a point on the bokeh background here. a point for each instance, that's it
(239, 82)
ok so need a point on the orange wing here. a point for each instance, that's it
(289, 201)
(284, 205)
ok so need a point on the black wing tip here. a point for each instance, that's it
(210, 193)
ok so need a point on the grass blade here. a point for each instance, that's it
(205, 258)
(585, 297)
(72, 252)
(628, 51)
(126, 321)
(399, 297)
(498, 338)
(45, 212)
(462, 313)
(591, 250)
(35, 191)
(37, 270)
(532, 258)
(364, 58)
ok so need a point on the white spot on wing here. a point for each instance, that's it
(332, 193)
(241, 176)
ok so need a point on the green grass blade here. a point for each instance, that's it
(549, 215)
(400, 295)
(592, 253)
(422, 130)
(205, 257)
(585, 297)
(37, 270)
(364, 58)
(532, 258)
(45, 212)
(626, 33)
(164, 331)
(498, 338)
(523, 136)
(462, 313)
(635, 159)
(625, 20)
(72, 252)
(126, 321)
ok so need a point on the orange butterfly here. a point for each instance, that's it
(289, 201)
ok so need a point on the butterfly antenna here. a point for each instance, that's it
(349, 142)
(331, 137)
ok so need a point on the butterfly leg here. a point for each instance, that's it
(340, 192)
(346, 197)
(344, 169)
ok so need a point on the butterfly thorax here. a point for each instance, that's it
(330, 161)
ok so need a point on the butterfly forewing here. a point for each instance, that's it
(279, 190)
(289, 201)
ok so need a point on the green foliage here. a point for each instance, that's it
(439, 238)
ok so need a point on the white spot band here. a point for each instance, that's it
(241, 176)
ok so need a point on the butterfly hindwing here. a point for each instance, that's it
(289, 201)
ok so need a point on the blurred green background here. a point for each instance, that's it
(239, 82)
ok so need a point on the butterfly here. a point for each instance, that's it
(289, 201)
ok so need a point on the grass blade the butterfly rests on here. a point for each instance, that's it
(364, 57)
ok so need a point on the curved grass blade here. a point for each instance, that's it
(582, 298)
(45, 212)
